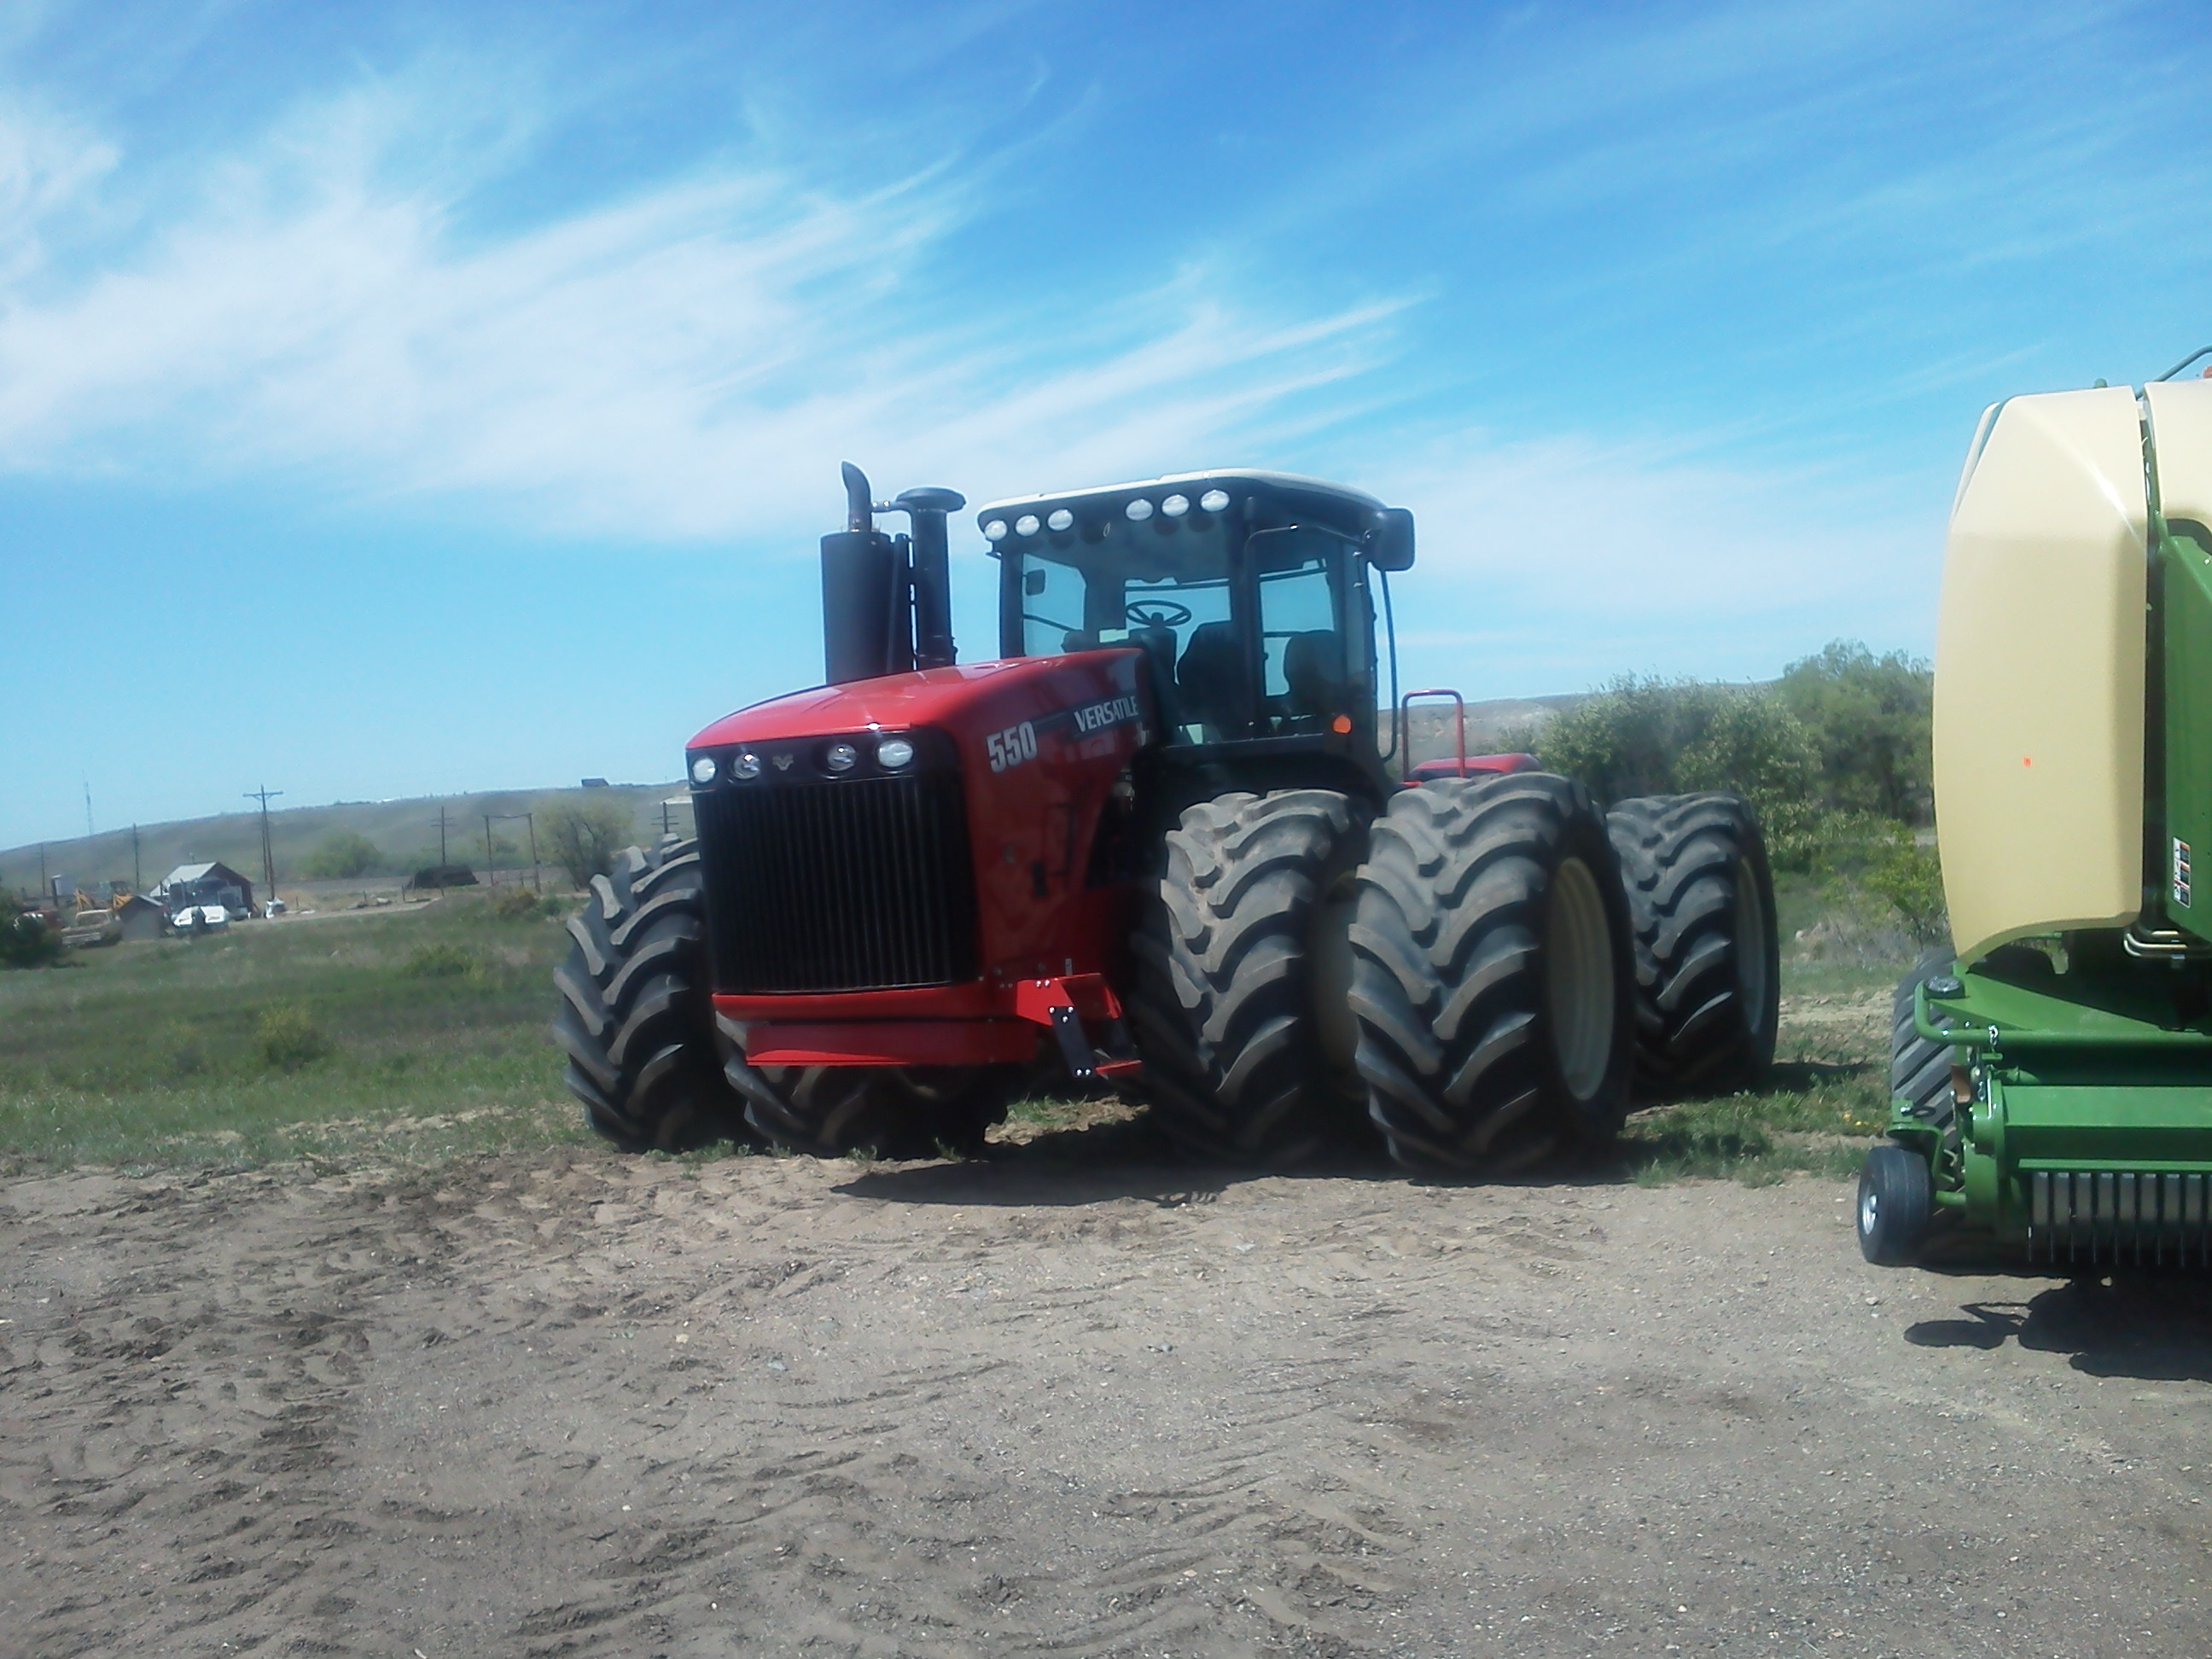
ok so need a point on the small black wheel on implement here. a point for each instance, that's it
(1897, 1201)
(1493, 975)
(1238, 1005)
(1701, 897)
(636, 1018)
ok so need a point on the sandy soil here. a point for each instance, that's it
(581, 1404)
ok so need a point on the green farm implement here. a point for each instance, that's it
(2051, 1074)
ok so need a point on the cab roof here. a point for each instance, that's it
(1332, 502)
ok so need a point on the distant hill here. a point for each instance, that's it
(404, 831)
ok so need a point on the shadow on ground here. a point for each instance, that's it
(2156, 1327)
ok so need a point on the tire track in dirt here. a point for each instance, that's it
(587, 1405)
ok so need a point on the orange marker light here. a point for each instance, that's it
(1341, 725)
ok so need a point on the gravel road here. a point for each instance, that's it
(577, 1403)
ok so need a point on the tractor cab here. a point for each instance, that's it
(1251, 596)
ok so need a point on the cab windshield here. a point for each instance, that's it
(1170, 587)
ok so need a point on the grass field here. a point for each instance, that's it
(417, 1035)
(413, 1034)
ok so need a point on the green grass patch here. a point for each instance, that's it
(410, 1037)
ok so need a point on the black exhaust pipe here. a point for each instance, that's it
(887, 601)
(863, 579)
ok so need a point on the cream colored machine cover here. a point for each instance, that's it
(2039, 673)
(2181, 432)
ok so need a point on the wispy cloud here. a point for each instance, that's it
(680, 361)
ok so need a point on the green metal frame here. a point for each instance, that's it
(2080, 1076)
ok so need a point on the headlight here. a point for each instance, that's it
(747, 765)
(1176, 506)
(995, 531)
(1214, 500)
(893, 753)
(1061, 520)
(1026, 525)
(840, 758)
(1139, 510)
(702, 771)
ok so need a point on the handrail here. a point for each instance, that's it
(1404, 725)
(1996, 1037)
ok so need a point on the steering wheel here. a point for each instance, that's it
(1157, 613)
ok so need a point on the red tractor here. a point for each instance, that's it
(1156, 843)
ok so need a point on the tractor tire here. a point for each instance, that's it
(1701, 899)
(1493, 977)
(1241, 970)
(878, 1111)
(1920, 1071)
(636, 1020)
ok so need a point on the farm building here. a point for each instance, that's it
(206, 884)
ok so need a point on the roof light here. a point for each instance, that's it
(995, 531)
(1176, 506)
(1139, 510)
(1061, 520)
(1214, 500)
(1026, 525)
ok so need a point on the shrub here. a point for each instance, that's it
(1870, 718)
(444, 962)
(343, 856)
(24, 940)
(584, 836)
(289, 1037)
(518, 904)
(1912, 879)
(1661, 737)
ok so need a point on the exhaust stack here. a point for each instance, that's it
(886, 600)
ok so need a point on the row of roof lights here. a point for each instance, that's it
(1174, 507)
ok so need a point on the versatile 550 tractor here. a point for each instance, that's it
(2052, 1074)
(1159, 841)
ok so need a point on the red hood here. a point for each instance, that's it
(931, 696)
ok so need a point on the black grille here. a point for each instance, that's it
(862, 884)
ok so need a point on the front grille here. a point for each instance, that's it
(2140, 1216)
(862, 884)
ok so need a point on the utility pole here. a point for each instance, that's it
(89, 830)
(530, 819)
(45, 886)
(265, 795)
(137, 880)
(442, 832)
(490, 868)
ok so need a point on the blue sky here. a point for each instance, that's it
(397, 399)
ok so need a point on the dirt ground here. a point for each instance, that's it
(575, 1403)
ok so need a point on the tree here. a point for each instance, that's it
(1870, 718)
(343, 856)
(583, 837)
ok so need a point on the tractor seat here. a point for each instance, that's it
(1208, 674)
(1313, 671)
